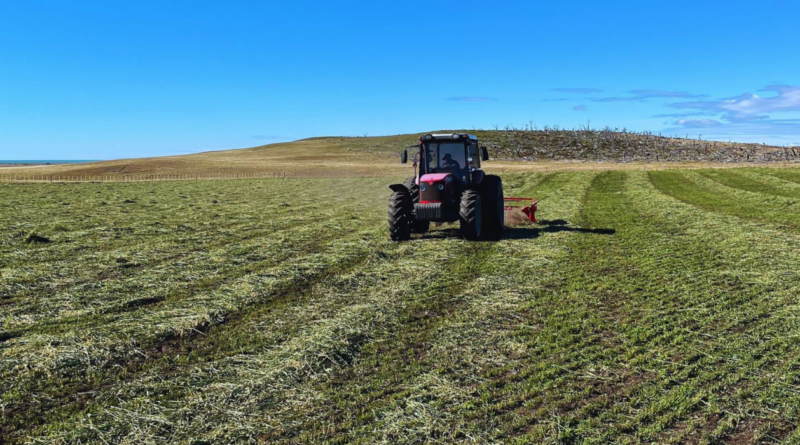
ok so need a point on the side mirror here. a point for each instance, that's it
(404, 157)
(484, 154)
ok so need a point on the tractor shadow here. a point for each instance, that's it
(550, 226)
(440, 233)
(525, 231)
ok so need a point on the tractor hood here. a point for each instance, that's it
(436, 188)
(430, 178)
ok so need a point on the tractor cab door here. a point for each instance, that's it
(474, 153)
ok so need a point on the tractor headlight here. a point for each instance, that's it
(440, 187)
(422, 186)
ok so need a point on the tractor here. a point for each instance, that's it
(448, 186)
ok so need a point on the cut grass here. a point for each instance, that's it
(645, 307)
(724, 193)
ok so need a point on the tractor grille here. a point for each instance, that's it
(429, 212)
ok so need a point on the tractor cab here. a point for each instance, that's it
(458, 155)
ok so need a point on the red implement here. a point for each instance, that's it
(529, 211)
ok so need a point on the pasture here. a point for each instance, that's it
(645, 307)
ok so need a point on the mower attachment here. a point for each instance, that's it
(529, 211)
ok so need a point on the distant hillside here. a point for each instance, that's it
(587, 145)
(624, 146)
(365, 156)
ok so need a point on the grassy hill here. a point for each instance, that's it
(365, 156)
(347, 156)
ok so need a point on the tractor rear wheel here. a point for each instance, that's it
(470, 215)
(400, 216)
(493, 207)
(413, 189)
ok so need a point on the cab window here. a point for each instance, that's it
(475, 154)
(447, 156)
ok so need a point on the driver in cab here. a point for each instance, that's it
(450, 163)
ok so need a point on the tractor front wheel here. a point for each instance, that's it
(400, 216)
(413, 189)
(493, 207)
(471, 215)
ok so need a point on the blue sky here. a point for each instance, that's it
(86, 79)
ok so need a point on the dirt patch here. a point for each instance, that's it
(706, 429)
(756, 431)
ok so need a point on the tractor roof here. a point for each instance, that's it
(450, 136)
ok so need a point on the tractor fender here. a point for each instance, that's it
(398, 188)
(477, 177)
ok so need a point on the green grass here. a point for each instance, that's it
(646, 307)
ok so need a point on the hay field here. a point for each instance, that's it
(645, 307)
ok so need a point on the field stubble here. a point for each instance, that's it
(645, 307)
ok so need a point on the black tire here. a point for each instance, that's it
(493, 207)
(413, 188)
(470, 215)
(400, 216)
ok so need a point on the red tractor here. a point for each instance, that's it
(449, 186)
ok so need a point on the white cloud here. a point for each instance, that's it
(690, 114)
(662, 93)
(770, 131)
(747, 117)
(698, 123)
(750, 106)
(642, 95)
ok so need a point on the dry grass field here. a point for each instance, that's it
(314, 157)
(378, 156)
